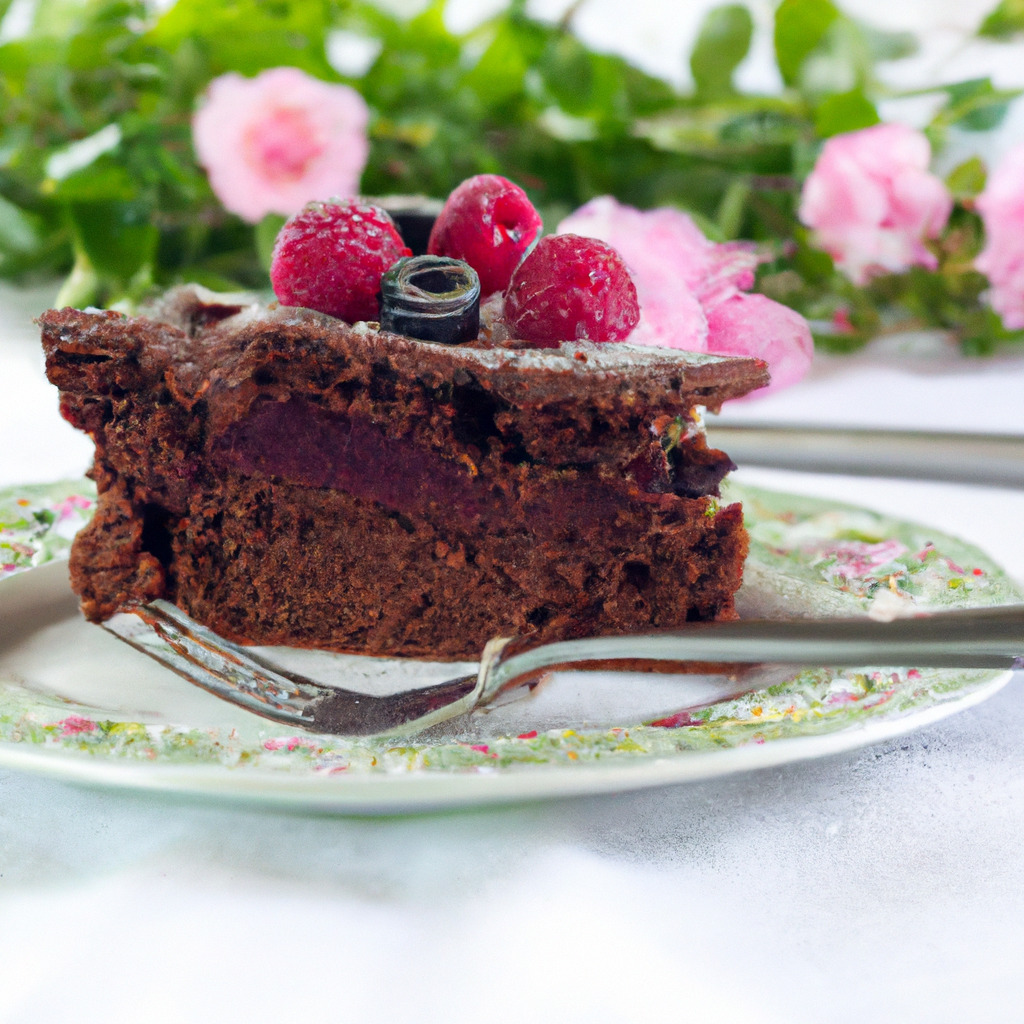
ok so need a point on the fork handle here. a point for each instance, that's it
(978, 638)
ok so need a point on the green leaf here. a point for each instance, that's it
(800, 27)
(249, 36)
(118, 238)
(882, 44)
(103, 180)
(723, 42)
(266, 235)
(842, 62)
(19, 234)
(17, 229)
(975, 105)
(572, 76)
(732, 208)
(967, 179)
(1006, 19)
(844, 112)
(497, 76)
(982, 333)
(81, 287)
(813, 264)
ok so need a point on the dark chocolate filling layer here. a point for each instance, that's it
(300, 443)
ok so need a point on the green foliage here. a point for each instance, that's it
(975, 105)
(844, 112)
(801, 27)
(723, 42)
(99, 180)
(967, 179)
(1005, 21)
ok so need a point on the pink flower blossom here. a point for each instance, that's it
(74, 725)
(69, 506)
(855, 559)
(1001, 206)
(691, 290)
(679, 720)
(290, 743)
(873, 203)
(272, 143)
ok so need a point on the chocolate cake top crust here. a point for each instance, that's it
(200, 343)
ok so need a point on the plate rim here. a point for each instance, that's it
(412, 792)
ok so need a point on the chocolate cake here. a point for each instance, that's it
(286, 478)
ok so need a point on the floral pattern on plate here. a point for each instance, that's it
(37, 522)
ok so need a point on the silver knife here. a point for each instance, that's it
(996, 460)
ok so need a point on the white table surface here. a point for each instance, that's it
(881, 885)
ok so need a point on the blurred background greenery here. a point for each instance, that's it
(99, 183)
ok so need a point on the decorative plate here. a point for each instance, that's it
(76, 703)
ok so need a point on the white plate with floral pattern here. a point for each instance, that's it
(76, 704)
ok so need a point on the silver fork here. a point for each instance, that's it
(982, 638)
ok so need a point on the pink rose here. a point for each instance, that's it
(272, 143)
(872, 202)
(691, 290)
(1001, 206)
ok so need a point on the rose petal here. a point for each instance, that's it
(754, 325)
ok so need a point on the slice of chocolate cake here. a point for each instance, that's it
(288, 479)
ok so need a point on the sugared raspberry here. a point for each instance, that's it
(571, 288)
(330, 257)
(488, 222)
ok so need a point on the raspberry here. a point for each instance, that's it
(330, 257)
(488, 222)
(571, 288)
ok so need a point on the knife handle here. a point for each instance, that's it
(992, 459)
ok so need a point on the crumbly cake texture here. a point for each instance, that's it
(286, 478)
